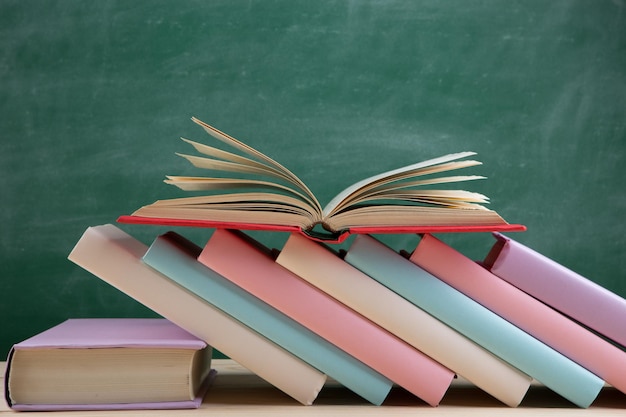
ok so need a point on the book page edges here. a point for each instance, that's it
(165, 405)
(157, 405)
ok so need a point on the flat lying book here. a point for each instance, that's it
(560, 287)
(103, 364)
(264, 195)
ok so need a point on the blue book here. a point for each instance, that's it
(465, 315)
(176, 257)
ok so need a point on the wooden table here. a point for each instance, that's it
(237, 392)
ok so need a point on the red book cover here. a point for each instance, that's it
(326, 237)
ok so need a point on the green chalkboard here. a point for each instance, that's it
(94, 96)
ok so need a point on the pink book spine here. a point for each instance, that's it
(237, 259)
(529, 314)
(559, 287)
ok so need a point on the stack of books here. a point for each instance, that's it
(367, 316)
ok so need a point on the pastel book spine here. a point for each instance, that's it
(238, 258)
(321, 267)
(111, 333)
(529, 314)
(176, 257)
(558, 286)
(465, 315)
(116, 258)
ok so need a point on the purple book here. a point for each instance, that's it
(133, 354)
(559, 287)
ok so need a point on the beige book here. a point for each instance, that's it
(322, 268)
(115, 257)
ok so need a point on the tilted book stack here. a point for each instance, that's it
(367, 317)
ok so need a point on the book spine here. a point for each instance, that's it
(463, 314)
(534, 317)
(176, 261)
(320, 267)
(7, 377)
(237, 259)
(115, 257)
(560, 287)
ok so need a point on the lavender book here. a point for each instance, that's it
(106, 364)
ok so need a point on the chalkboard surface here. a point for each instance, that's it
(95, 95)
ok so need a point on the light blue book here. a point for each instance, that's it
(463, 314)
(176, 257)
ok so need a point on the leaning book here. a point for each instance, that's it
(259, 193)
(107, 364)
(116, 258)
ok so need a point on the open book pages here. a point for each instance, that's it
(260, 191)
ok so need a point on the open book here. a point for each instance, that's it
(264, 195)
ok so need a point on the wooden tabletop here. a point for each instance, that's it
(237, 392)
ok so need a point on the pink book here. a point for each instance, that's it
(92, 334)
(529, 314)
(559, 287)
(239, 259)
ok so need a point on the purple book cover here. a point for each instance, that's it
(103, 333)
(561, 288)
(107, 333)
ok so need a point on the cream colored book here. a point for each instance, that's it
(115, 257)
(322, 268)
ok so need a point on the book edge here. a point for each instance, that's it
(329, 237)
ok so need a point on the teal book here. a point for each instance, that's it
(476, 322)
(176, 257)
